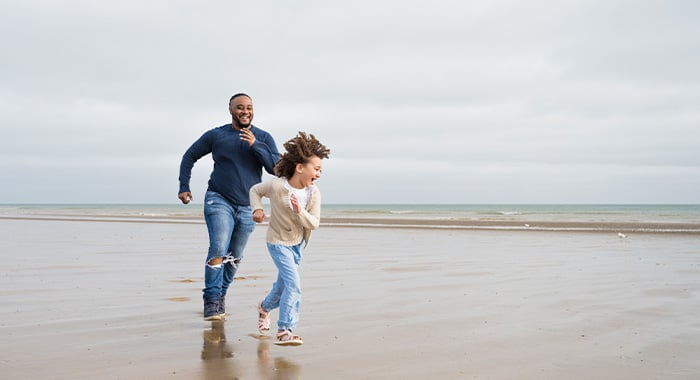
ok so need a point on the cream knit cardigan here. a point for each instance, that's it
(286, 227)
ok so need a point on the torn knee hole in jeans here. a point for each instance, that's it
(224, 259)
(233, 260)
(214, 266)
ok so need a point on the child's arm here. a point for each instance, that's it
(256, 193)
(311, 218)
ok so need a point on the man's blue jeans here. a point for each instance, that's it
(286, 291)
(229, 227)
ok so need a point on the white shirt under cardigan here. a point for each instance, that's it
(302, 195)
(287, 227)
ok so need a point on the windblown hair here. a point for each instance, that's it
(300, 149)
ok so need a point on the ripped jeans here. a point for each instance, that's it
(229, 227)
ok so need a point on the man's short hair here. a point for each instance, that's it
(239, 95)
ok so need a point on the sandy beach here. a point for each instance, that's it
(115, 300)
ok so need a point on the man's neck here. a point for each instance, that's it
(238, 127)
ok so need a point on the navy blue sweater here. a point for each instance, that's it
(237, 165)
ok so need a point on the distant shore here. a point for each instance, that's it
(457, 224)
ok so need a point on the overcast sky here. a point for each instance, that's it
(503, 101)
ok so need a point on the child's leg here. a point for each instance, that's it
(272, 300)
(288, 284)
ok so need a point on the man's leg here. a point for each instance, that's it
(218, 215)
(244, 225)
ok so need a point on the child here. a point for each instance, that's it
(296, 210)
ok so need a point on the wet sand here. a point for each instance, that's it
(114, 300)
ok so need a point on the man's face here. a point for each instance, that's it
(241, 109)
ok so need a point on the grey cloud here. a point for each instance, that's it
(565, 100)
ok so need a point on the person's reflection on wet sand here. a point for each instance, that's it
(279, 368)
(217, 356)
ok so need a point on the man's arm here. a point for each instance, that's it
(197, 150)
(266, 150)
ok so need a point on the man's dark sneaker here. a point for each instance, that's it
(211, 310)
(222, 306)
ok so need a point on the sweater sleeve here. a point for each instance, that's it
(266, 150)
(257, 192)
(311, 217)
(197, 150)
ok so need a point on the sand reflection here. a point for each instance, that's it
(217, 354)
(275, 369)
(220, 361)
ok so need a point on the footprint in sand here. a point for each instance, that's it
(179, 299)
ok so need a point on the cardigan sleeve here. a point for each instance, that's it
(311, 217)
(257, 192)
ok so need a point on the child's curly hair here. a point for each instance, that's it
(300, 149)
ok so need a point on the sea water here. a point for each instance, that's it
(594, 213)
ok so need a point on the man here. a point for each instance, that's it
(240, 151)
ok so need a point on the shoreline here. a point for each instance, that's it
(415, 223)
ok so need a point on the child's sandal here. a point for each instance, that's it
(263, 320)
(286, 338)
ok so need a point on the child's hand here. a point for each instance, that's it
(259, 216)
(295, 204)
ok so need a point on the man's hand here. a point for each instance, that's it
(247, 136)
(185, 197)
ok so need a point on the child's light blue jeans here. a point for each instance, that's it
(286, 291)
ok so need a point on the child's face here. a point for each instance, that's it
(309, 172)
